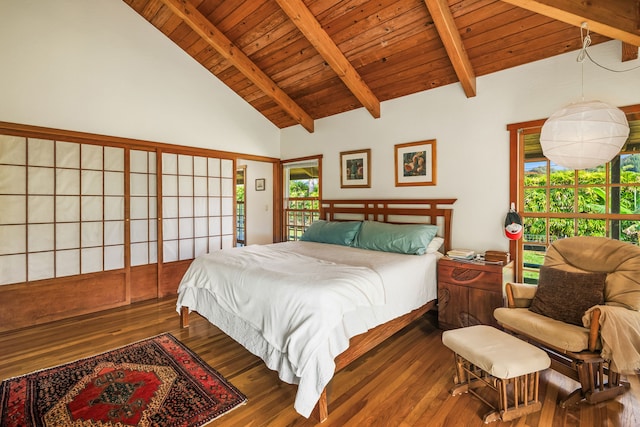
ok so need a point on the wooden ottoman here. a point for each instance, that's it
(486, 356)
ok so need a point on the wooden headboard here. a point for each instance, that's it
(397, 211)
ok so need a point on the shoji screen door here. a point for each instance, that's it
(143, 208)
(80, 220)
(61, 209)
(197, 205)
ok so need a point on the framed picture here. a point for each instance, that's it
(415, 163)
(260, 184)
(355, 169)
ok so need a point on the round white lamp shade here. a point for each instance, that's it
(584, 135)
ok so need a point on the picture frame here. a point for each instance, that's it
(260, 184)
(415, 163)
(355, 169)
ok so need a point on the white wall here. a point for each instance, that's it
(258, 204)
(97, 66)
(472, 140)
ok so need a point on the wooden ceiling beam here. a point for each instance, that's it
(448, 32)
(302, 18)
(225, 47)
(617, 19)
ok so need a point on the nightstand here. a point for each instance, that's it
(469, 291)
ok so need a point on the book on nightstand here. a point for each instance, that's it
(461, 254)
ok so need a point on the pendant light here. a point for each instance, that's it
(584, 134)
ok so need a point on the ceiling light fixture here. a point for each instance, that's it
(584, 134)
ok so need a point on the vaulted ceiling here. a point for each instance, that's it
(296, 61)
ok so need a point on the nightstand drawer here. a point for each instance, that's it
(472, 277)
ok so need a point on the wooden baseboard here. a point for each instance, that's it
(35, 303)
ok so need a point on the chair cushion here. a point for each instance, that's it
(560, 335)
(565, 295)
(599, 254)
(523, 294)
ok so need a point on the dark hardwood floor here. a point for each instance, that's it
(403, 382)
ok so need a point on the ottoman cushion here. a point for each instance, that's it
(495, 352)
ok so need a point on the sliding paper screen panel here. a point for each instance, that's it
(61, 209)
(197, 196)
(13, 209)
(228, 171)
(143, 208)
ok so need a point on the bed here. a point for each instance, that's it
(350, 284)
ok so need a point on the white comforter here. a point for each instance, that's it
(293, 299)
(290, 309)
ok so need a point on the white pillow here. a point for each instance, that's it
(435, 244)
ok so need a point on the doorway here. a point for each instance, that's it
(241, 220)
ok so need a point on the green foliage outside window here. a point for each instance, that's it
(578, 203)
(302, 199)
(591, 193)
(303, 188)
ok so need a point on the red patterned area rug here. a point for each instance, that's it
(154, 382)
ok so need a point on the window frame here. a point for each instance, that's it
(516, 185)
(288, 202)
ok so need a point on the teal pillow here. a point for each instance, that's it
(400, 238)
(334, 232)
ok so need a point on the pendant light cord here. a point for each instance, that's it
(586, 42)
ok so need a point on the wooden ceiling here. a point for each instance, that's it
(299, 60)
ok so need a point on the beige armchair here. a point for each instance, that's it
(583, 312)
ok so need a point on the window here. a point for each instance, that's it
(301, 195)
(556, 202)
